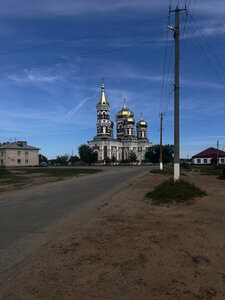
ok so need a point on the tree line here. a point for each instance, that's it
(87, 155)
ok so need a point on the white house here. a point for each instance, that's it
(208, 157)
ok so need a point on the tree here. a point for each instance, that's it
(42, 158)
(62, 160)
(87, 154)
(132, 157)
(153, 153)
(74, 159)
(113, 159)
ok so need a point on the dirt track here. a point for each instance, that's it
(128, 249)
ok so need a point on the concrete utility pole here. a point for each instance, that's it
(161, 156)
(176, 93)
(217, 154)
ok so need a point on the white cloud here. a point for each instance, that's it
(33, 77)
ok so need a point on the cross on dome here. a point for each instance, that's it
(124, 102)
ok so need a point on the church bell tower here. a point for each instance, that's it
(104, 125)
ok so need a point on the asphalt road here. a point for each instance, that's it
(26, 213)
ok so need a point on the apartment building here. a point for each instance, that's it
(18, 154)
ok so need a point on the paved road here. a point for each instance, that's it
(26, 213)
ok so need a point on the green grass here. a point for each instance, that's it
(167, 171)
(4, 171)
(186, 167)
(178, 191)
(211, 170)
(22, 176)
(58, 172)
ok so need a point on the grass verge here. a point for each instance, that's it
(168, 171)
(17, 178)
(212, 170)
(179, 191)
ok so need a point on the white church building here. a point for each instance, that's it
(128, 139)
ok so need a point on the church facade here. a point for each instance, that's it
(128, 139)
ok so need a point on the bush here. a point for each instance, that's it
(125, 161)
(113, 159)
(185, 166)
(74, 159)
(107, 160)
(178, 191)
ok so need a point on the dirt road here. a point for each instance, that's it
(125, 248)
(26, 214)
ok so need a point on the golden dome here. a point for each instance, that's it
(142, 122)
(130, 120)
(125, 112)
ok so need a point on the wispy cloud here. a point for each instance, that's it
(33, 77)
(75, 109)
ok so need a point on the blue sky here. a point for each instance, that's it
(53, 55)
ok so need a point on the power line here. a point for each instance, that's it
(209, 45)
(164, 68)
(203, 53)
(169, 79)
(69, 58)
(81, 38)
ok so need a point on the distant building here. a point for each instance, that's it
(127, 141)
(209, 156)
(18, 154)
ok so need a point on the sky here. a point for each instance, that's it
(54, 53)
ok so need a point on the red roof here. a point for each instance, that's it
(210, 153)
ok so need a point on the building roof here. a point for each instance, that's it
(17, 145)
(210, 153)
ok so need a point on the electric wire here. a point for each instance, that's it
(208, 45)
(81, 38)
(204, 54)
(164, 68)
(162, 92)
(70, 58)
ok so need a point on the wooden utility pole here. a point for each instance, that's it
(176, 93)
(217, 154)
(161, 155)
